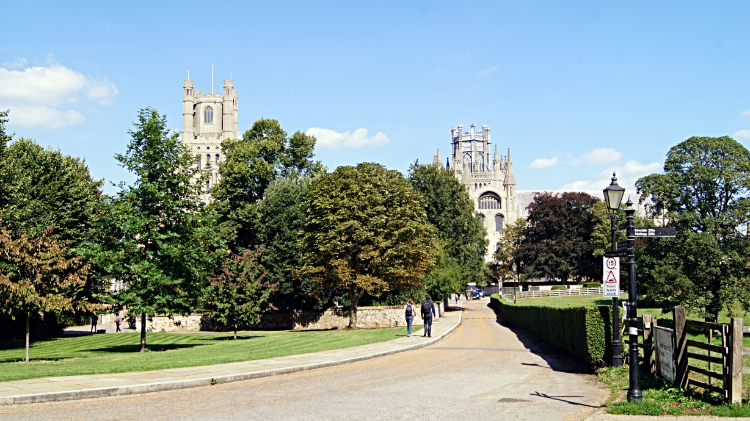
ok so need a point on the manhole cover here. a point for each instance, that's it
(512, 400)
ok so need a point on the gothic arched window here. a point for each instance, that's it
(199, 162)
(217, 159)
(498, 222)
(489, 200)
(208, 161)
(208, 115)
(482, 219)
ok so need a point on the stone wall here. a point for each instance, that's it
(333, 318)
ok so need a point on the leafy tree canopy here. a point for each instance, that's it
(239, 293)
(163, 244)
(510, 239)
(556, 237)
(366, 231)
(264, 154)
(450, 209)
(704, 190)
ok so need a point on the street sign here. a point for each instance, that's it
(616, 254)
(611, 283)
(664, 352)
(654, 232)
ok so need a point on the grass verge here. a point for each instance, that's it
(118, 353)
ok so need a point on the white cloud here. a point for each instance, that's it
(41, 116)
(488, 70)
(37, 95)
(602, 156)
(742, 134)
(543, 163)
(626, 176)
(16, 63)
(332, 139)
(745, 113)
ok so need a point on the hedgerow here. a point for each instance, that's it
(582, 333)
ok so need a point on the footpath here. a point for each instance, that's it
(52, 389)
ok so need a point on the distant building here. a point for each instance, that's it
(207, 120)
(490, 182)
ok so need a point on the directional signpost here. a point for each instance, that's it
(611, 277)
(654, 232)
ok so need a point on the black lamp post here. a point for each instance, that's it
(634, 392)
(515, 281)
(613, 197)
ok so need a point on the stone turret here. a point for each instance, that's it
(436, 161)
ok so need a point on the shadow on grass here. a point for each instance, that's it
(34, 360)
(150, 348)
(231, 338)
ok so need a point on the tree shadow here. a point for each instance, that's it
(231, 337)
(554, 359)
(150, 347)
(34, 360)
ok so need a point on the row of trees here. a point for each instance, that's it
(280, 232)
(703, 192)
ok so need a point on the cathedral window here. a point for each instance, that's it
(208, 115)
(199, 162)
(489, 201)
(482, 215)
(498, 222)
(217, 159)
(208, 160)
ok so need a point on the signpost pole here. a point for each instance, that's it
(634, 392)
(616, 342)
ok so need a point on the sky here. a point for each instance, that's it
(576, 90)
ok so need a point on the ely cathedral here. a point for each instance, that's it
(490, 183)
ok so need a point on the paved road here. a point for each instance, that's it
(482, 371)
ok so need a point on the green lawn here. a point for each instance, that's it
(117, 353)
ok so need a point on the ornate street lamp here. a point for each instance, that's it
(613, 197)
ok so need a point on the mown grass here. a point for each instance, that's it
(117, 353)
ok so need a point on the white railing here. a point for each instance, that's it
(554, 293)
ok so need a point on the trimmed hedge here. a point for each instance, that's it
(558, 287)
(592, 285)
(582, 333)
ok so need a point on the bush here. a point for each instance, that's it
(592, 285)
(582, 333)
(559, 287)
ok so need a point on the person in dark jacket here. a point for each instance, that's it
(428, 311)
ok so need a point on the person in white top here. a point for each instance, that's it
(409, 314)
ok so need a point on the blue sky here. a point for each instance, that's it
(574, 89)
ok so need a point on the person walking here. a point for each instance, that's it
(428, 310)
(409, 315)
(118, 320)
(94, 319)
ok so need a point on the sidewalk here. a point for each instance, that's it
(50, 389)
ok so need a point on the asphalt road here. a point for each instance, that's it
(483, 370)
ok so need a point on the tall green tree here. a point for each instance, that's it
(265, 153)
(704, 189)
(510, 239)
(450, 209)
(37, 277)
(280, 218)
(240, 292)
(163, 245)
(556, 237)
(366, 231)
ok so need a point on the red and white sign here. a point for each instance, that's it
(611, 277)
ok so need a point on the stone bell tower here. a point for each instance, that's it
(207, 120)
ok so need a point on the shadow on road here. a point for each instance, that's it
(559, 398)
(555, 360)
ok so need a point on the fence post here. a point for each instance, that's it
(680, 339)
(735, 361)
(657, 364)
(648, 343)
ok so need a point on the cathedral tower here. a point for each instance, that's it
(491, 184)
(207, 120)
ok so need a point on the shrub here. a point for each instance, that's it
(592, 285)
(582, 333)
(559, 287)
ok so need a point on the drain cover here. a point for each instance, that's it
(512, 400)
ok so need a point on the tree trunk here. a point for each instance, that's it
(28, 316)
(235, 332)
(143, 332)
(353, 301)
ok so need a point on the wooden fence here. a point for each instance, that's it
(686, 351)
(553, 293)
